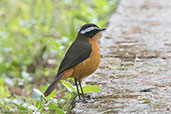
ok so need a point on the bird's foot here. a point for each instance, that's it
(84, 99)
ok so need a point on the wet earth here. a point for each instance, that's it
(135, 70)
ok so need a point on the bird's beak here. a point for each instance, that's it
(101, 29)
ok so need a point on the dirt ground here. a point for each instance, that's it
(135, 70)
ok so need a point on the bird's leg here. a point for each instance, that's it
(81, 90)
(77, 88)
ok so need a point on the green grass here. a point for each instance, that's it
(34, 36)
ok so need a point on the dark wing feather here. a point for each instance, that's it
(78, 52)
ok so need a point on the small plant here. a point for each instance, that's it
(41, 104)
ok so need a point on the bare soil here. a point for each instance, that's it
(135, 70)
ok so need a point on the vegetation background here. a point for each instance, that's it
(34, 36)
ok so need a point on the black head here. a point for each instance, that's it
(89, 30)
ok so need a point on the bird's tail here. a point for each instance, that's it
(53, 85)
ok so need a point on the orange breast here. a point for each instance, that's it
(89, 65)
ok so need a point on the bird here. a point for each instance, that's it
(81, 60)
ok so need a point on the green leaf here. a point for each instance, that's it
(90, 88)
(58, 110)
(2, 80)
(52, 95)
(37, 94)
(4, 92)
(22, 108)
(147, 101)
(68, 85)
(38, 104)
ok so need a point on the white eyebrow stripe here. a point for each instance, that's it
(88, 29)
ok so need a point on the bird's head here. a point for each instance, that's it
(89, 30)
